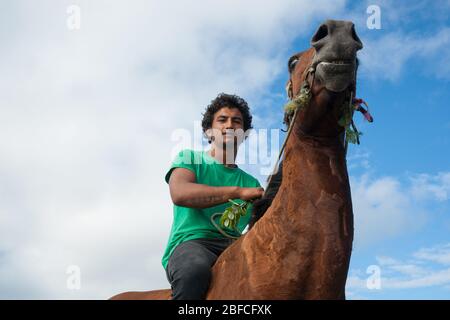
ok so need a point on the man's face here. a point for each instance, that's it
(227, 127)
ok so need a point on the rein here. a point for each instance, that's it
(220, 229)
(300, 101)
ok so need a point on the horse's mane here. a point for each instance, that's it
(260, 206)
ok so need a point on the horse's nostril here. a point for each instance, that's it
(321, 33)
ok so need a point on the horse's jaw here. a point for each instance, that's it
(336, 76)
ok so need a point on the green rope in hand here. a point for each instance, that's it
(230, 217)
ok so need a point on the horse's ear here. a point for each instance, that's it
(291, 62)
(294, 60)
(289, 89)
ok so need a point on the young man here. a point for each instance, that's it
(201, 183)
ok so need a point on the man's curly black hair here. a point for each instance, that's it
(227, 100)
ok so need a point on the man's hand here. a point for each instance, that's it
(250, 193)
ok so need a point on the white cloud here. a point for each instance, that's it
(86, 120)
(386, 261)
(386, 57)
(383, 209)
(350, 295)
(403, 42)
(425, 186)
(358, 158)
(438, 254)
(433, 278)
(397, 274)
(410, 270)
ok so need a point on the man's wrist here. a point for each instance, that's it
(236, 193)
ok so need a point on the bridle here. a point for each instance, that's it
(302, 100)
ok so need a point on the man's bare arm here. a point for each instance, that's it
(186, 192)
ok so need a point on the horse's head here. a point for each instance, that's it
(326, 74)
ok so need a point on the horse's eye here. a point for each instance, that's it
(292, 64)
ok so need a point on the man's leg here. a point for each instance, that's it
(189, 267)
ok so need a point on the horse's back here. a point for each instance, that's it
(164, 294)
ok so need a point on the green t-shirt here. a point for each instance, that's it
(191, 223)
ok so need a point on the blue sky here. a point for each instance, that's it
(405, 151)
(90, 116)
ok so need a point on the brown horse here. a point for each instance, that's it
(300, 248)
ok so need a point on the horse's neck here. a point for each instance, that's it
(300, 248)
(315, 179)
